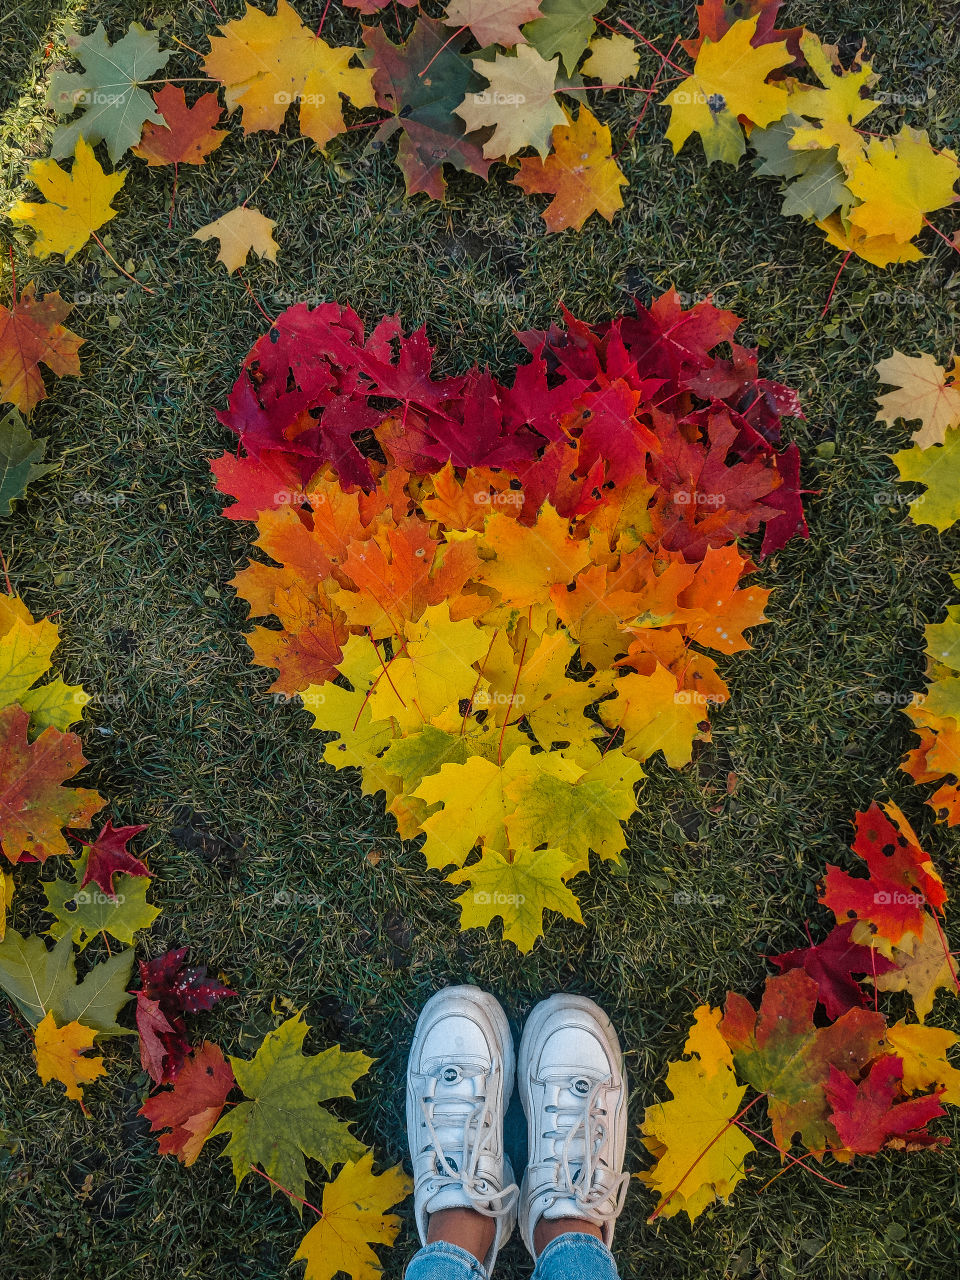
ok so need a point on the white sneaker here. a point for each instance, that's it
(574, 1093)
(459, 1080)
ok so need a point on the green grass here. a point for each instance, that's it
(183, 726)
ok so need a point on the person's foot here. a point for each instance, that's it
(574, 1093)
(459, 1080)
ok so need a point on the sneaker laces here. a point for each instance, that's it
(588, 1120)
(477, 1136)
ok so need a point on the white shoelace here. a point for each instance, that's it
(589, 1117)
(476, 1140)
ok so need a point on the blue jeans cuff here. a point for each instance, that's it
(575, 1253)
(444, 1261)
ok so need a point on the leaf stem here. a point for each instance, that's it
(118, 266)
(286, 1191)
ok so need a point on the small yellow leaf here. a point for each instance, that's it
(6, 897)
(239, 231)
(924, 1054)
(354, 1217)
(78, 203)
(59, 1057)
(518, 890)
(612, 59)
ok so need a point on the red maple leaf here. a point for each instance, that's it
(901, 883)
(109, 854)
(832, 964)
(193, 1106)
(187, 135)
(170, 989)
(869, 1114)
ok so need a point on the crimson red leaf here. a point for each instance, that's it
(192, 1107)
(109, 854)
(869, 1114)
(832, 964)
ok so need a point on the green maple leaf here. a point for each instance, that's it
(819, 190)
(21, 459)
(44, 981)
(116, 107)
(92, 911)
(565, 27)
(938, 468)
(423, 103)
(283, 1121)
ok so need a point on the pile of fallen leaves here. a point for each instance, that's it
(787, 96)
(926, 392)
(503, 599)
(837, 1075)
(103, 896)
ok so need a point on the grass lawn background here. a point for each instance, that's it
(183, 735)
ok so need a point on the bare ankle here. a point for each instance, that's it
(464, 1227)
(548, 1229)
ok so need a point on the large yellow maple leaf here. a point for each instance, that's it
(729, 80)
(700, 1153)
(656, 715)
(59, 1055)
(879, 251)
(900, 180)
(353, 1218)
(923, 1051)
(266, 64)
(78, 203)
(580, 173)
(839, 104)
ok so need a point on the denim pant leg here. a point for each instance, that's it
(443, 1261)
(574, 1255)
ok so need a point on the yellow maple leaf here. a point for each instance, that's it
(924, 1054)
(518, 888)
(78, 203)
(434, 671)
(521, 102)
(528, 560)
(354, 1217)
(700, 1154)
(612, 59)
(25, 650)
(580, 173)
(6, 897)
(59, 1055)
(728, 80)
(922, 971)
(266, 64)
(452, 831)
(922, 393)
(239, 231)
(879, 251)
(898, 181)
(656, 716)
(838, 105)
